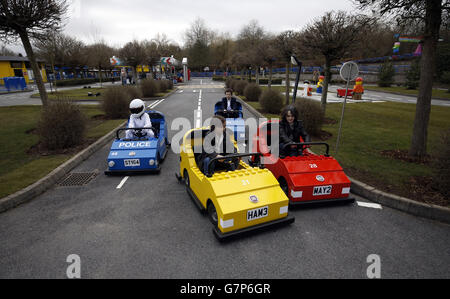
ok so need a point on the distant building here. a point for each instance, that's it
(16, 66)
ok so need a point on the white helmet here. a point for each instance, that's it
(137, 108)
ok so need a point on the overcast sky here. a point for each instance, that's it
(119, 21)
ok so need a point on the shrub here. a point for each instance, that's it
(169, 84)
(445, 77)
(240, 86)
(252, 92)
(312, 115)
(116, 102)
(441, 165)
(149, 88)
(233, 84)
(386, 75)
(218, 78)
(163, 85)
(413, 76)
(271, 101)
(229, 82)
(62, 125)
(133, 92)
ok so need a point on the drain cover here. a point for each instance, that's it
(77, 179)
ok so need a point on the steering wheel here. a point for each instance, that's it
(140, 134)
(230, 113)
(231, 161)
(298, 147)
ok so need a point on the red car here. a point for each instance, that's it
(341, 93)
(307, 178)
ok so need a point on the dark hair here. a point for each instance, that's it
(229, 90)
(292, 109)
(221, 119)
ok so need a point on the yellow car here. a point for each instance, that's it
(237, 202)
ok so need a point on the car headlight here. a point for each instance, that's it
(151, 162)
(226, 223)
(284, 210)
(111, 163)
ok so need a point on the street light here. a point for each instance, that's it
(295, 61)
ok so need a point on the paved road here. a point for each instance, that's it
(373, 96)
(150, 228)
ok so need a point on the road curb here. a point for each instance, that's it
(403, 204)
(39, 187)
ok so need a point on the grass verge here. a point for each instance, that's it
(437, 93)
(20, 167)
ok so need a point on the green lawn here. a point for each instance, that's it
(82, 94)
(437, 93)
(75, 94)
(19, 169)
(370, 128)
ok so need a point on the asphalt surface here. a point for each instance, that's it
(150, 228)
(370, 96)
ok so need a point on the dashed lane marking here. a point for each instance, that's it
(124, 180)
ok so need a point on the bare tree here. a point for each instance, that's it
(99, 55)
(60, 49)
(221, 51)
(333, 36)
(133, 54)
(4, 51)
(198, 39)
(268, 53)
(429, 16)
(250, 38)
(285, 42)
(25, 19)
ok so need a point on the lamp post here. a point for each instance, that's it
(295, 61)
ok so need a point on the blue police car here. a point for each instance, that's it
(140, 155)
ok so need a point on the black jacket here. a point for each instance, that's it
(287, 135)
(233, 104)
(227, 147)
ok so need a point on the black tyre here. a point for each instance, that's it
(212, 214)
(284, 186)
(187, 181)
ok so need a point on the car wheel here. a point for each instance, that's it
(212, 214)
(284, 186)
(187, 182)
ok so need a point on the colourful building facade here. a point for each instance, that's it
(11, 66)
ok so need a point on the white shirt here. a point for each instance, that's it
(140, 122)
(229, 105)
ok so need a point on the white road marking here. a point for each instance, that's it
(369, 205)
(198, 118)
(156, 104)
(122, 182)
(201, 82)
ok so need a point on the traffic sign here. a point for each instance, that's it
(349, 71)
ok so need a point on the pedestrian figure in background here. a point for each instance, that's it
(316, 75)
